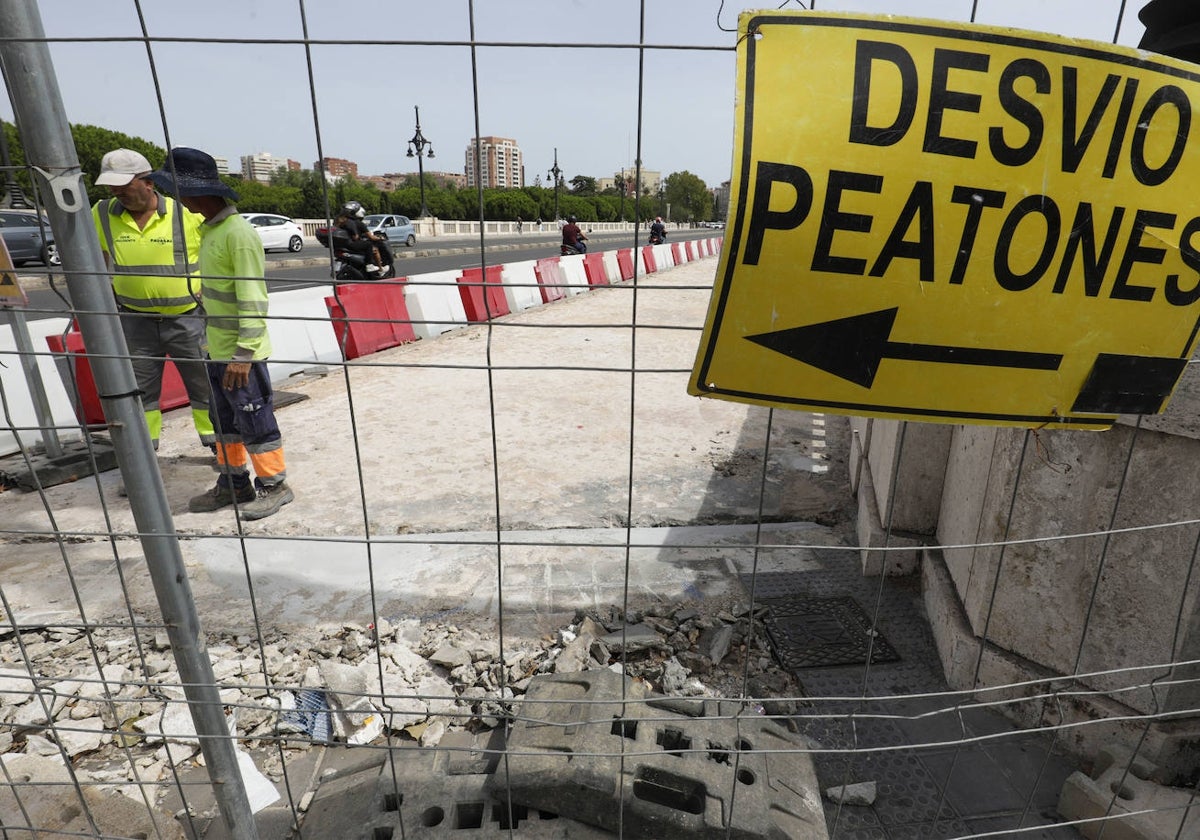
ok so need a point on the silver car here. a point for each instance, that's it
(396, 228)
(27, 239)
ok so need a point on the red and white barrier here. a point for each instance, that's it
(434, 303)
(379, 315)
(521, 285)
(574, 274)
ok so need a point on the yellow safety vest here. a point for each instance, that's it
(151, 265)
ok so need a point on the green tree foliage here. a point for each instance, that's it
(305, 194)
(583, 185)
(93, 142)
(688, 196)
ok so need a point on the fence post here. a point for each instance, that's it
(50, 150)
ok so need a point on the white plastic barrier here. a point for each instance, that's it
(16, 388)
(574, 274)
(612, 269)
(520, 285)
(435, 308)
(663, 257)
(300, 331)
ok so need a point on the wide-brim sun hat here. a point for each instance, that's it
(191, 172)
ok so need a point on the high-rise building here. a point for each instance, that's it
(336, 167)
(500, 163)
(222, 165)
(260, 166)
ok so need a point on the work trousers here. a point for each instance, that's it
(244, 419)
(151, 338)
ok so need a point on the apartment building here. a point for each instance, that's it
(500, 163)
(260, 166)
(335, 168)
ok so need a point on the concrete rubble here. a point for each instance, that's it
(119, 716)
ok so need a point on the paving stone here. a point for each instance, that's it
(598, 747)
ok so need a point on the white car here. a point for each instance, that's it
(276, 231)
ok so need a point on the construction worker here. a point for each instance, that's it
(232, 271)
(152, 246)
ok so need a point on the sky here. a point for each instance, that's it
(563, 75)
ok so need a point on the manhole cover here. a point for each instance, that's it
(817, 632)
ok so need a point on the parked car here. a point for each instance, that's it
(396, 228)
(276, 231)
(27, 239)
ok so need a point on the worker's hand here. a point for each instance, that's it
(237, 375)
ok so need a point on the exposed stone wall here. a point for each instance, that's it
(1135, 591)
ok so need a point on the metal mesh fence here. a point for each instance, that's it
(527, 587)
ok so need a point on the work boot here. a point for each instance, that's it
(270, 499)
(220, 496)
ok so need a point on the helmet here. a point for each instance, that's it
(353, 210)
(570, 220)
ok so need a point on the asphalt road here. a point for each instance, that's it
(312, 267)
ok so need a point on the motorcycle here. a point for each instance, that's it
(657, 238)
(567, 250)
(350, 266)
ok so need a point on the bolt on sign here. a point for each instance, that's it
(955, 223)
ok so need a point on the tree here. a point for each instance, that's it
(688, 196)
(583, 185)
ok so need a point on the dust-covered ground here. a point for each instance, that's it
(569, 418)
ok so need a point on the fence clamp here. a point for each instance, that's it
(66, 187)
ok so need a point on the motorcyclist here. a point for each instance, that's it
(658, 231)
(572, 236)
(361, 240)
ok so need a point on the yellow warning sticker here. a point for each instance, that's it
(11, 293)
(955, 223)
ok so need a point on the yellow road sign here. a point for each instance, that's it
(955, 223)
(11, 293)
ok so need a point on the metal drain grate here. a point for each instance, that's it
(818, 632)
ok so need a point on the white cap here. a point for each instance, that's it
(120, 166)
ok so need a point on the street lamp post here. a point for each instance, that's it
(418, 143)
(556, 174)
(621, 187)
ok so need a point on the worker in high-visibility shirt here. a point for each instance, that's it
(152, 246)
(235, 290)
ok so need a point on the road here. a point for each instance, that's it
(311, 266)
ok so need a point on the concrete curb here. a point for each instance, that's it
(41, 281)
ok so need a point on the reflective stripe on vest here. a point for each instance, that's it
(180, 267)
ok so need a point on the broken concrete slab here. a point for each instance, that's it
(46, 798)
(82, 736)
(1122, 801)
(599, 747)
(380, 798)
(15, 686)
(634, 638)
(859, 793)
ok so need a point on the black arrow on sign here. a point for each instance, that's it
(852, 348)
